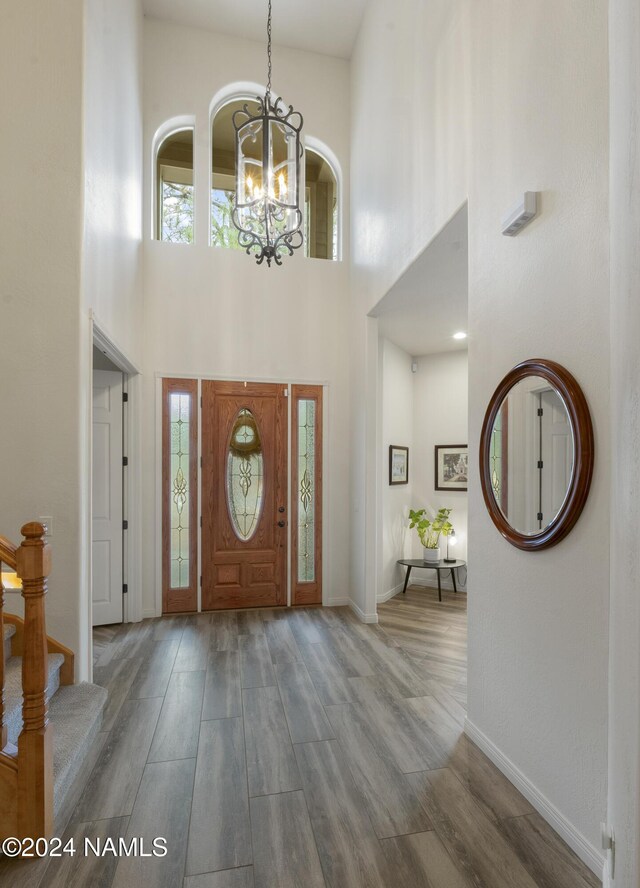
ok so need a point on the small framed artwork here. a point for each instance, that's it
(398, 464)
(452, 466)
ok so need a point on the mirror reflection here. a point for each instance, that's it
(531, 455)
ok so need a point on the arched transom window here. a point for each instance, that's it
(174, 188)
(321, 191)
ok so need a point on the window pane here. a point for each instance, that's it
(177, 213)
(223, 231)
(321, 208)
(179, 419)
(174, 172)
(306, 489)
(223, 191)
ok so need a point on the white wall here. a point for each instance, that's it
(41, 457)
(409, 72)
(440, 406)
(71, 243)
(624, 679)
(112, 281)
(112, 217)
(397, 428)
(535, 77)
(410, 98)
(538, 622)
(213, 312)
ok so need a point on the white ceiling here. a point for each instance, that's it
(326, 26)
(429, 303)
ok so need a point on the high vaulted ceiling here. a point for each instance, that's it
(326, 26)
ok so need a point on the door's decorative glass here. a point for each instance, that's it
(245, 475)
(306, 492)
(496, 458)
(180, 408)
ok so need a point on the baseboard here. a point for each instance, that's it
(385, 596)
(148, 614)
(365, 618)
(338, 602)
(576, 841)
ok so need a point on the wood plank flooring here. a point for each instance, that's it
(299, 749)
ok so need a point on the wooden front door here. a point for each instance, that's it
(244, 495)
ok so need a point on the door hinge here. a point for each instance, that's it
(201, 579)
(201, 521)
(125, 524)
(201, 400)
(125, 397)
(200, 462)
(125, 588)
(540, 464)
(125, 460)
(540, 411)
(539, 516)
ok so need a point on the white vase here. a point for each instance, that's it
(431, 555)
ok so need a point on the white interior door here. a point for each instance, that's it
(107, 497)
(556, 455)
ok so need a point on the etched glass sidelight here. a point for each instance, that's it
(245, 475)
(306, 489)
(179, 417)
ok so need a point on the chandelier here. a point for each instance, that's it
(268, 152)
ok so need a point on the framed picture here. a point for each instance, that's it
(452, 466)
(398, 464)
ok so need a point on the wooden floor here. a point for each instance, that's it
(282, 748)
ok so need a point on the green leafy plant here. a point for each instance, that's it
(430, 531)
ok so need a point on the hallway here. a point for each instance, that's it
(282, 748)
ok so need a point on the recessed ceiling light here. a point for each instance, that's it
(460, 335)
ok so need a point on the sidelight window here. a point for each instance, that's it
(307, 498)
(179, 495)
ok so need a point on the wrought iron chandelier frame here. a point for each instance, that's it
(270, 226)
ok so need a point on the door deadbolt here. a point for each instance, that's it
(281, 509)
(280, 523)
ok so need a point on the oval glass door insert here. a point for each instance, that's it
(245, 475)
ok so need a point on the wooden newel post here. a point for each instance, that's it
(35, 750)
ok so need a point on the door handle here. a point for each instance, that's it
(281, 523)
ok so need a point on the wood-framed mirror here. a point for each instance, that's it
(536, 454)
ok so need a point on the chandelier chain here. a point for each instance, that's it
(269, 52)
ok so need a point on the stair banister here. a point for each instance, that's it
(7, 556)
(3, 727)
(35, 751)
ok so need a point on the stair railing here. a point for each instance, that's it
(30, 813)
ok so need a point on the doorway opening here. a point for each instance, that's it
(114, 477)
(422, 451)
(107, 491)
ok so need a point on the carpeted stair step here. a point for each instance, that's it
(13, 691)
(76, 716)
(9, 632)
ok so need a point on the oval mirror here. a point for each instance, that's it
(536, 454)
